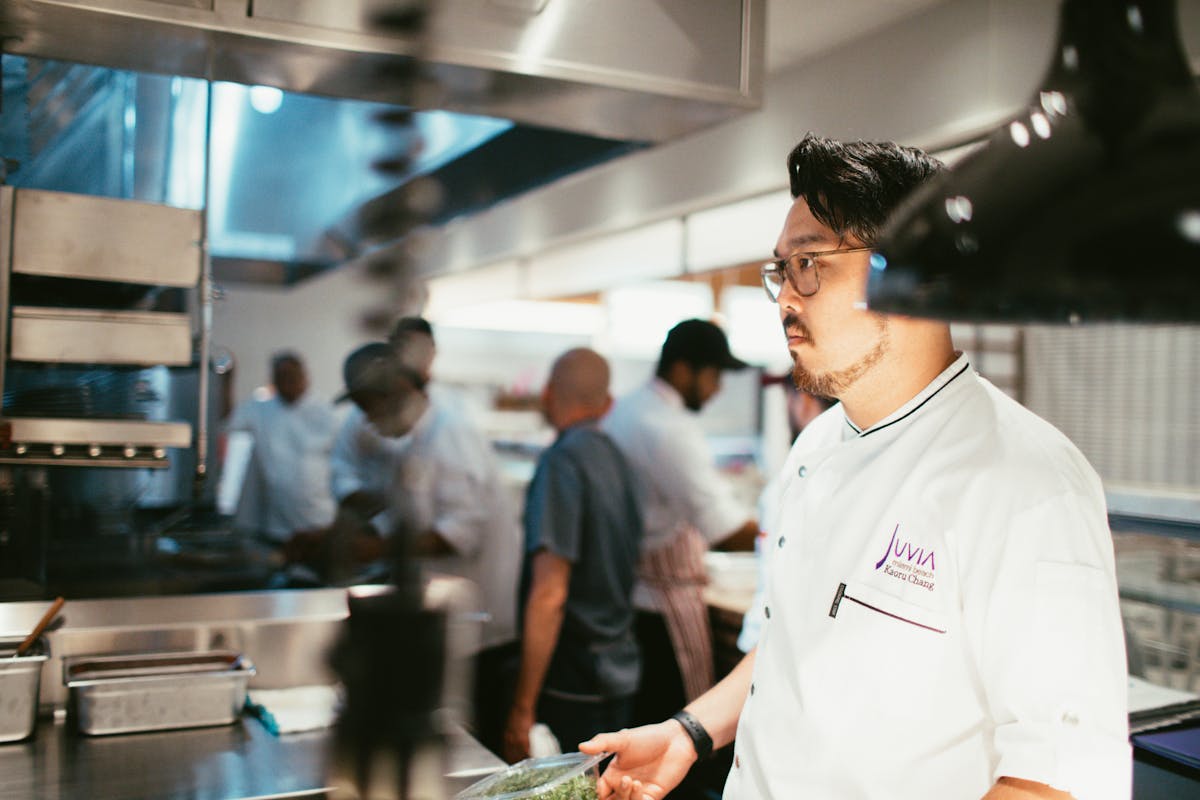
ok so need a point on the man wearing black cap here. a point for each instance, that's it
(688, 507)
(410, 455)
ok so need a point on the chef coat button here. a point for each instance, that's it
(782, 539)
(803, 471)
(752, 688)
(767, 611)
(737, 761)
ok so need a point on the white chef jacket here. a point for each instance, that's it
(666, 446)
(286, 488)
(364, 461)
(768, 513)
(452, 484)
(941, 611)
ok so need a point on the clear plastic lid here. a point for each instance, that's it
(571, 776)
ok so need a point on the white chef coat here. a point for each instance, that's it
(769, 501)
(364, 461)
(941, 611)
(286, 487)
(452, 484)
(666, 446)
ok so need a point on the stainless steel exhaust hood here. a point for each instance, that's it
(117, 110)
(646, 70)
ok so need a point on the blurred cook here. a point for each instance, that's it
(583, 525)
(407, 457)
(286, 487)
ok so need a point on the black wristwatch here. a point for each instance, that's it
(695, 731)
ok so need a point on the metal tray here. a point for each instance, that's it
(155, 691)
(20, 680)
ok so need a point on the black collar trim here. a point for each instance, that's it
(915, 408)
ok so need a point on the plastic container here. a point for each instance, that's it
(571, 776)
(20, 680)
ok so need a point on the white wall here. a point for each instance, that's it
(319, 319)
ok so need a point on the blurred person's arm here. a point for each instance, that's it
(539, 637)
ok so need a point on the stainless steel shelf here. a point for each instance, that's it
(79, 336)
(99, 432)
(99, 238)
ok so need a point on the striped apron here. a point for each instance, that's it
(675, 576)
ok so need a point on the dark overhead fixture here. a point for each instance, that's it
(1086, 207)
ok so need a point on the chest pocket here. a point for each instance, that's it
(873, 603)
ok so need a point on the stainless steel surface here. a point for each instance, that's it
(119, 433)
(78, 236)
(80, 336)
(19, 680)
(623, 68)
(155, 691)
(287, 634)
(233, 762)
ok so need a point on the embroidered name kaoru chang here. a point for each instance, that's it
(908, 563)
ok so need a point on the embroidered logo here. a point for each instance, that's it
(906, 562)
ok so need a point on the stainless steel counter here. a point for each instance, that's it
(232, 762)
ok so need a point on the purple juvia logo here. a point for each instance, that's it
(906, 551)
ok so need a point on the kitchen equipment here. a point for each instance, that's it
(155, 691)
(20, 679)
(571, 775)
(40, 628)
(1029, 227)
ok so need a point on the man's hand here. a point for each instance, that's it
(650, 760)
(516, 734)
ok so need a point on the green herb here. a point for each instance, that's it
(581, 787)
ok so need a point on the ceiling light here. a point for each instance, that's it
(1082, 208)
(266, 99)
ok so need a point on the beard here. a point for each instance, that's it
(835, 382)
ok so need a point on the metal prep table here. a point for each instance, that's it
(231, 762)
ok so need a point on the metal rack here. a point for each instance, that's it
(77, 237)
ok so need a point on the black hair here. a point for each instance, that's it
(411, 325)
(282, 357)
(852, 187)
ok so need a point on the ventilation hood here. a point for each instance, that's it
(512, 93)
(1086, 207)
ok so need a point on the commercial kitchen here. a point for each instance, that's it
(190, 187)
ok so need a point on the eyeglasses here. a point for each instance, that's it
(800, 269)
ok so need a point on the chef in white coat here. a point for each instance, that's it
(688, 506)
(286, 487)
(437, 476)
(941, 615)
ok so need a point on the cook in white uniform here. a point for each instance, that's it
(941, 616)
(439, 478)
(688, 507)
(286, 487)
(430, 457)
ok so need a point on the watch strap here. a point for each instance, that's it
(695, 731)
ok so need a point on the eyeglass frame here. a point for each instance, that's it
(779, 267)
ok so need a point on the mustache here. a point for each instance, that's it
(793, 325)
